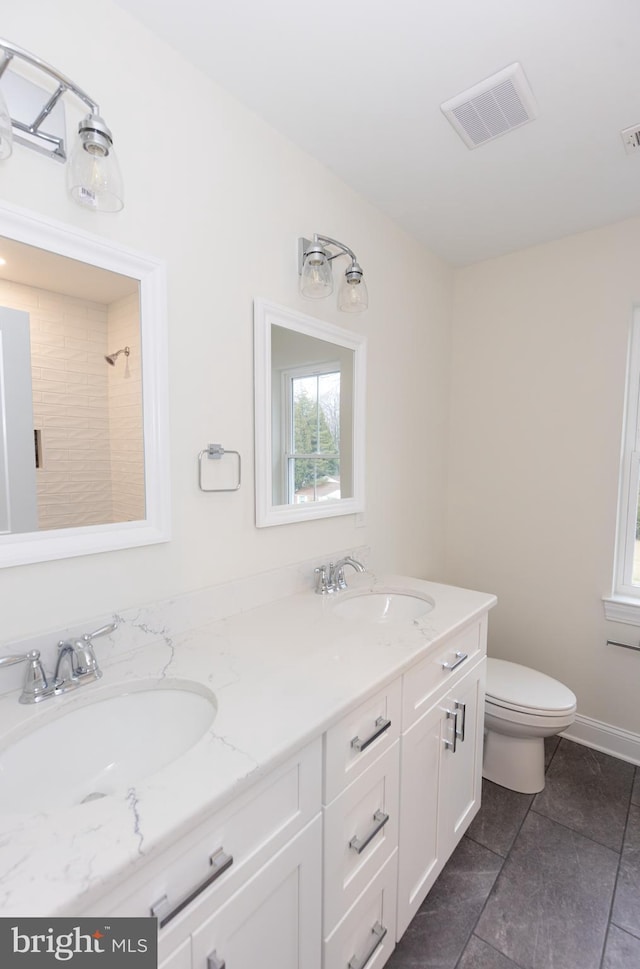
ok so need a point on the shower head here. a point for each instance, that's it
(111, 359)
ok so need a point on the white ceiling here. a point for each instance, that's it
(358, 84)
(59, 274)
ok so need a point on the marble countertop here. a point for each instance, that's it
(281, 673)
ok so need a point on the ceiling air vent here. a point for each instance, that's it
(499, 104)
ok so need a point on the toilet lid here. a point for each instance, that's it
(521, 688)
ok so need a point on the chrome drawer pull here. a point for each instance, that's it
(214, 963)
(381, 725)
(452, 744)
(380, 819)
(460, 658)
(378, 931)
(219, 861)
(463, 708)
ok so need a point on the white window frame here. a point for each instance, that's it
(624, 604)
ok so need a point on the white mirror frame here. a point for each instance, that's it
(28, 547)
(265, 316)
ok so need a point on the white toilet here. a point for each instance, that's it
(522, 707)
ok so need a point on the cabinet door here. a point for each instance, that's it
(418, 842)
(440, 788)
(180, 958)
(273, 921)
(461, 767)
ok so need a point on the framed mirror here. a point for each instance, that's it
(309, 417)
(83, 393)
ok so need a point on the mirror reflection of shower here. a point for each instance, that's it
(112, 357)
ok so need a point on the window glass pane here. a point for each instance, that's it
(316, 413)
(329, 401)
(315, 479)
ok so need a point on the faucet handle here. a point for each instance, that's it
(36, 683)
(12, 660)
(85, 662)
(102, 631)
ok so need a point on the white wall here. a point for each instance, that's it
(539, 358)
(223, 198)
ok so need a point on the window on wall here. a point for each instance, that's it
(312, 434)
(627, 556)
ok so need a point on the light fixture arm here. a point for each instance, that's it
(344, 250)
(34, 128)
(321, 241)
(93, 174)
(65, 83)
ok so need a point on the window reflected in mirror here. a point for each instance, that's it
(313, 419)
(309, 417)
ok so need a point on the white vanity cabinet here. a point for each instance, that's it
(441, 762)
(323, 861)
(402, 778)
(245, 883)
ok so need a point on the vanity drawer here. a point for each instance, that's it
(360, 834)
(369, 927)
(440, 669)
(360, 738)
(257, 824)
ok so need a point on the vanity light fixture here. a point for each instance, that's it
(316, 277)
(93, 174)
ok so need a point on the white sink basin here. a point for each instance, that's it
(102, 747)
(379, 606)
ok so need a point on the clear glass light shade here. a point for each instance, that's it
(353, 296)
(6, 131)
(93, 174)
(316, 278)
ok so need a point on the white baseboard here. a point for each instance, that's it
(602, 736)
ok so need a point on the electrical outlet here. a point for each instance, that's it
(631, 139)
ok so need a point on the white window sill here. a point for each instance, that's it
(622, 609)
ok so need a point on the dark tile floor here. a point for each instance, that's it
(545, 881)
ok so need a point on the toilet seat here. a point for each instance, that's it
(532, 719)
(525, 691)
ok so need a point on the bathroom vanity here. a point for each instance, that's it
(306, 825)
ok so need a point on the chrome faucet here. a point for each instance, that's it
(76, 659)
(336, 571)
(332, 579)
(66, 657)
(80, 659)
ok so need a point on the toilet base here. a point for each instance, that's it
(516, 763)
